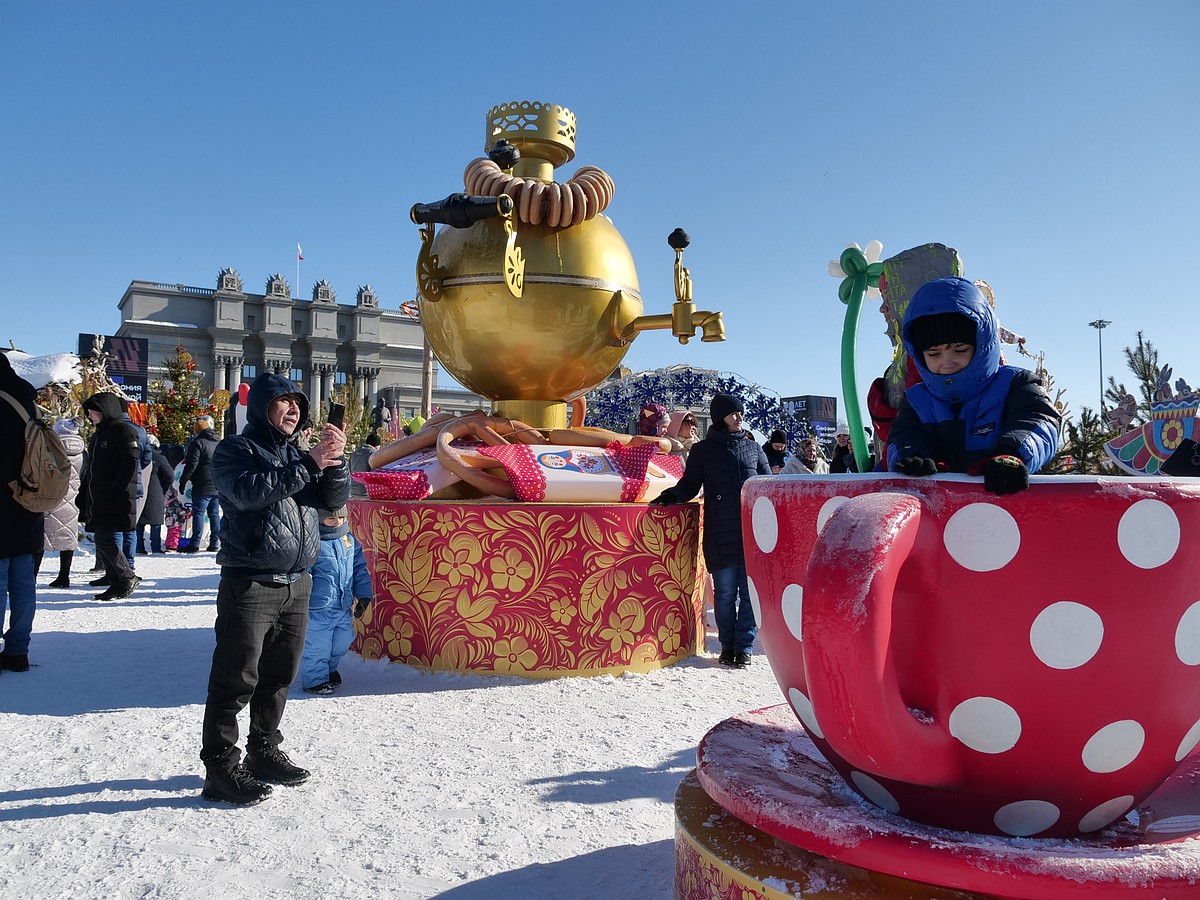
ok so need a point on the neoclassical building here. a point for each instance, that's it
(234, 335)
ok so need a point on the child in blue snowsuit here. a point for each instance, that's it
(969, 414)
(341, 587)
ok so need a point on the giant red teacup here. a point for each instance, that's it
(1021, 665)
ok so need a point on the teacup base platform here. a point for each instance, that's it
(765, 813)
(539, 590)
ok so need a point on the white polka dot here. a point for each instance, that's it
(754, 603)
(1105, 814)
(765, 524)
(1026, 817)
(793, 605)
(804, 709)
(1148, 534)
(1175, 825)
(1189, 742)
(875, 792)
(828, 509)
(986, 724)
(982, 537)
(1065, 635)
(1187, 636)
(1114, 746)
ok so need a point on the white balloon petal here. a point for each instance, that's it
(854, 245)
(873, 251)
(835, 268)
(872, 293)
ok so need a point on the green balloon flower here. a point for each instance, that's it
(859, 271)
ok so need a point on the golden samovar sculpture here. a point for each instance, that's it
(529, 296)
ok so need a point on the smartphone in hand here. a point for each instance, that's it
(337, 414)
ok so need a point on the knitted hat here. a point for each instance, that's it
(777, 437)
(943, 328)
(326, 513)
(723, 405)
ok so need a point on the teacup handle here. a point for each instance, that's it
(847, 627)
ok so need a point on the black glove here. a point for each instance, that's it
(360, 606)
(1005, 475)
(917, 466)
(666, 498)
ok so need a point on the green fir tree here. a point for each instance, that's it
(177, 398)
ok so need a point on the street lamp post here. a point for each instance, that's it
(1100, 325)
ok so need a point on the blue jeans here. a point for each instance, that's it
(200, 507)
(128, 542)
(155, 538)
(736, 628)
(260, 635)
(17, 586)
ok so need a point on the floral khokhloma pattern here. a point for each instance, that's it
(556, 589)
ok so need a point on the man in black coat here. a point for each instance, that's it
(270, 491)
(113, 477)
(197, 469)
(20, 529)
(720, 464)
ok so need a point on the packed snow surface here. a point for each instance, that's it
(424, 784)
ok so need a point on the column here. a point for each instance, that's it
(219, 373)
(314, 383)
(326, 379)
(372, 386)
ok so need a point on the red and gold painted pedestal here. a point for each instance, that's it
(537, 590)
(765, 816)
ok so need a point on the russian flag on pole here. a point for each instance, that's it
(299, 252)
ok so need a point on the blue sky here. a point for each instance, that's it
(1054, 144)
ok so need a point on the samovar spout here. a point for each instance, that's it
(684, 320)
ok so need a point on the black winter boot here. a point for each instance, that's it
(233, 784)
(272, 764)
(14, 662)
(64, 570)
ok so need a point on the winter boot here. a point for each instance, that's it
(233, 784)
(64, 570)
(272, 764)
(14, 662)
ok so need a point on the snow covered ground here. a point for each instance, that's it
(425, 784)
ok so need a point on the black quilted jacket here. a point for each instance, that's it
(720, 464)
(270, 492)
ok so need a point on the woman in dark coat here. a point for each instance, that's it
(112, 483)
(162, 477)
(720, 464)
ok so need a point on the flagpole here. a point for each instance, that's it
(299, 256)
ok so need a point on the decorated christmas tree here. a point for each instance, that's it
(177, 398)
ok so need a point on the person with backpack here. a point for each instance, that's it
(20, 528)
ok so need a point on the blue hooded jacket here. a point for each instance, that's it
(985, 410)
(270, 492)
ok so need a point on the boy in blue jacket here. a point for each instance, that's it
(970, 414)
(341, 587)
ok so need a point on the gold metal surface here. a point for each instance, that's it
(542, 414)
(555, 342)
(543, 132)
